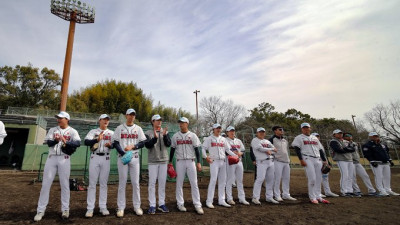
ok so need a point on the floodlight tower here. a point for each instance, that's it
(75, 12)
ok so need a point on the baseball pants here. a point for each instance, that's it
(314, 176)
(99, 169)
(346, 176)
(54, 164)
(360, 171)
(265, 172)
(282, 172)
(235, 173)
(382, 177)
(325, 183)
(157, 172)
(217, 172)
(134, 170)
(183, 167)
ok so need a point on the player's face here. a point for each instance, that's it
(339, 135)
(217, 131)
(62, 122)
(375, 138)
(157, 123)
(183, 126)
(348, 138)
(231, 134)
(306, 130)
(104, 122)
(279, 132)
(130, 118)
(261, 134)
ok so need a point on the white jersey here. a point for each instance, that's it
(309, 145)
(107, 135)
(216, 146)
(69, 133)
(3, 133)
(236, 145)
(260, 147)
(184, 144)
(128, 135)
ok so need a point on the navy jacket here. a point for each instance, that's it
(376, 152)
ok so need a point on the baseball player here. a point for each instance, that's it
(3, 132)
(342, 154)
(129, 137)
(378, 156)
(157, 144)
(325, 177)
(264, 153)
(358, 168)
(310, 153)
(235, 171)
(216, 145)
(99, 140)
(58, 162)
(186, 145)
(281, 165)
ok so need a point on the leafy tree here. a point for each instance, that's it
(27, 86)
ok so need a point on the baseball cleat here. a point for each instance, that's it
(290, 198)
(330, 194)
(393, 193)
(323, 196)
(279, 199)
(199, 210)
(372, 193)
(244, 202)
(181, 208)
(348, 195)
(224, 204)
(65, 214)
(38, 216)
(314, 201)
(120, 213)
(256, 201)
(210, 205)
(104, 212)
(152, 210)
(271, 200)
(89, 213)
(321, 200)
(231, 202)
(382, 194)
(357, 194)
(138, 211)
(163, 208)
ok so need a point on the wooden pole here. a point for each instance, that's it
(67, 64)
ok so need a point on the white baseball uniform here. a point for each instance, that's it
(184, 144)
(265, 167)
(282, 167)
(216, 146)
(310, 147)
(99, 167)
(129, 135)
(235, 171)
(57, 162)
(3, 133)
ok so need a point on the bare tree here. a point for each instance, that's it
(216, 110)
(386, 119)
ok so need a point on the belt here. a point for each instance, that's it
(311, 156)
(101, 154)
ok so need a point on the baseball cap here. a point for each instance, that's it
(260, 129)
(230, 128)
(156, 117)
(216, 125)
(274, 128)
(63, 114)
(373, 134)
(130, 111)
(315, 134)
(347, 135)
(337, 131)
(183, 120)
(305, 125)
(103, 116)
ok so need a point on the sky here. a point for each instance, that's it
(325, 58)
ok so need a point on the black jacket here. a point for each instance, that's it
(376, 152)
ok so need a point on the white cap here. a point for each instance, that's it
(305, 125)
(315, 134)
(230, 128)
(63, 114)
(337, 131)
(103, 116)
(216, 125)
(373, 134)
(156, 117)
(260, 129)
(183, 120)
(130, 111)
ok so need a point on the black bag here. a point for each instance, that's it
(73, 185)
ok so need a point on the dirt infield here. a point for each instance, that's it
(19, 198)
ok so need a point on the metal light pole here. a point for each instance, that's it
(75, 12)
(352, 116)
(197, 112)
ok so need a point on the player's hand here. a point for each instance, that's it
(108, 144)
(391, 163)
(239, 153)
(254, 162)
(100, 137)
(62, 138)
(269, 152)
(303, 163)
(198, 165)
(57, 137)
(275, 150)
(129, 147)
(374, 164)
(165, 131)
(209, 160)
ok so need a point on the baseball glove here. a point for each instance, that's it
(67, 149)
(233, 159)
(325, 169)
(94, 147)
(171, 171)
(127, 157)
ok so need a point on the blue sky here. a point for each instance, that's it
(324, 58)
